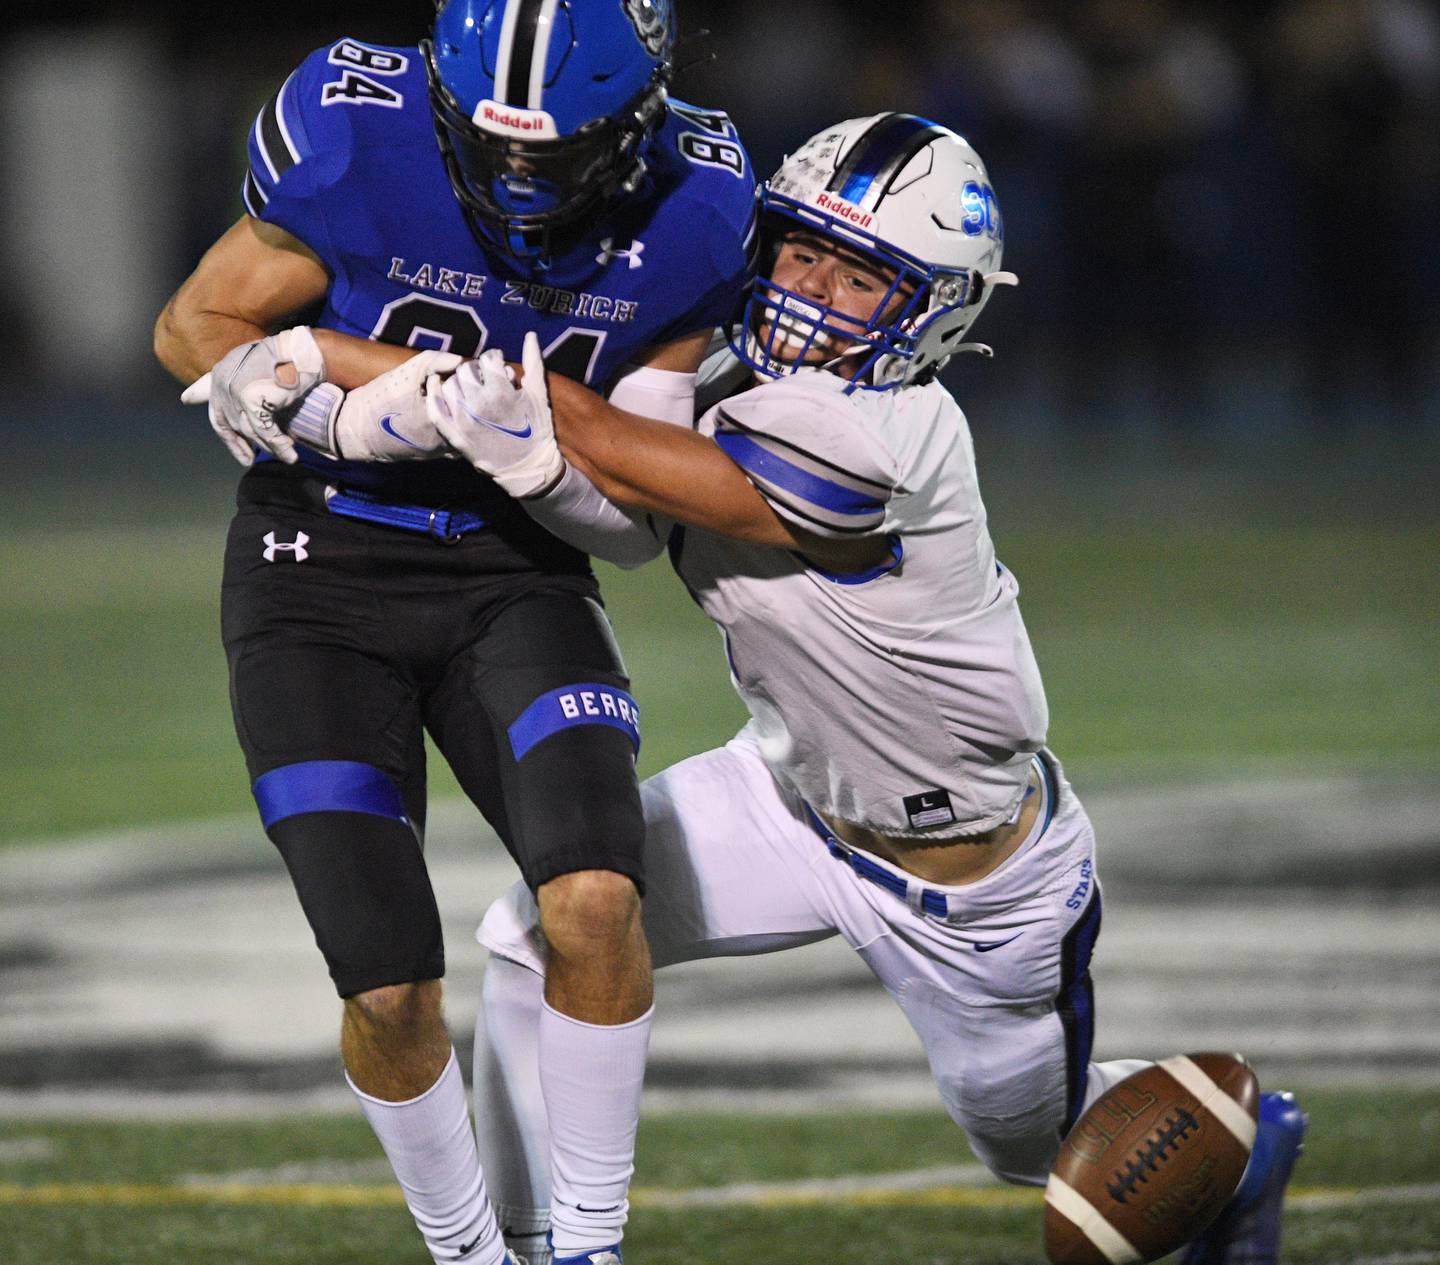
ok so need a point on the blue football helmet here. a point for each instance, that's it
(542, 107)
(913, 201)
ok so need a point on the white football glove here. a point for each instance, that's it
(250, 396)
(385, 420)
(503, 430)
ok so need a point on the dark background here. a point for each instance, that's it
(1223, 217)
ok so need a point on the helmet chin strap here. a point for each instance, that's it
(854, 351)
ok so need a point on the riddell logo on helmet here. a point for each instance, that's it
(845, 210)
(508, 118)
(513, 121)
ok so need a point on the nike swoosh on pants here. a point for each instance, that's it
(984, 947)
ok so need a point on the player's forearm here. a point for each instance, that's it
(351, 362)
(255, 281)
(660, 468)
(189, 342)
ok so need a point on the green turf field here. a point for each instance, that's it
(309, 1190)
(1188, 617)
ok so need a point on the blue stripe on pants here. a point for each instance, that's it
(322, 786)
(1076, 1005)
(589, 703)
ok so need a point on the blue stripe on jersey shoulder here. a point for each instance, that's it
(765, 463)
(293, 117)
(279, 140)
(272, 153)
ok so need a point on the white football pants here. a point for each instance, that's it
(997, 988)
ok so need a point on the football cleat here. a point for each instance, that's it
(1247, 1232)
(596, 1256)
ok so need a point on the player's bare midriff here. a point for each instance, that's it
(949, 861)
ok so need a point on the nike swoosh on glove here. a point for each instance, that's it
(385, 420)
(503, 430)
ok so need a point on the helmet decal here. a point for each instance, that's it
(652, 23)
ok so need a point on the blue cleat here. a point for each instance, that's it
(1247, 1232)
(596, 1256)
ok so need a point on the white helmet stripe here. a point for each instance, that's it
(503, 55)
(539, 59)
(513, 77)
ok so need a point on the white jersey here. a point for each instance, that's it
(906, 699)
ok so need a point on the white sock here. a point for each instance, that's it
(432, 1150)
(510, 1121)
(591, 1076)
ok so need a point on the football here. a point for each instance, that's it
(1152, 1162)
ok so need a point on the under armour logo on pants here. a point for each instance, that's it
(294, 547)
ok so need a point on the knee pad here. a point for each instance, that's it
(358, 870)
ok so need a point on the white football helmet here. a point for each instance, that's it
(911, 196)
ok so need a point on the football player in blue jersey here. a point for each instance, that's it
(522, 171)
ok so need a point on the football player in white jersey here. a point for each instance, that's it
(893, 785)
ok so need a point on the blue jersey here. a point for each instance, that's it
(344, 158)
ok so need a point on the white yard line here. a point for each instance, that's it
(25, 1150)
(1322, 1200)
(966, 1185)
(366, 1172)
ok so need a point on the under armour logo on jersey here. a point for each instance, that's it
(296, 548)
(631, 256)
